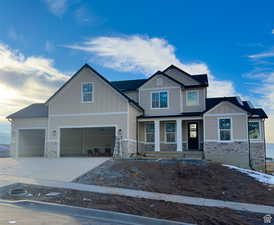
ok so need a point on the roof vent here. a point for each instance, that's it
(250, 105)
(239, 100)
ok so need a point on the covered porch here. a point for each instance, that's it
(174, 136)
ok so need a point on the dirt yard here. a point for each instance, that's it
(192, 178)
(142, 207)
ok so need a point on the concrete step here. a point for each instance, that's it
(176, 155)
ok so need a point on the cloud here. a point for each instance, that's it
(272, 32)
(146, 55)
(57, 7)
(262, 55)
(25, 80)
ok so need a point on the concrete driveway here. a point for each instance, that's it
(62, 169)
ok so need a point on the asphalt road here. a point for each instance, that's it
(38, 213)
(10, 214)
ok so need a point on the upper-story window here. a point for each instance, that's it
(159, 100)
(87, 92)
(225, 129)
(192, 97)
(254, 130)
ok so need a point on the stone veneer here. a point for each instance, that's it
(233, 153)
(257, 155)
(51, 149)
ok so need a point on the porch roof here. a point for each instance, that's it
(186, 114)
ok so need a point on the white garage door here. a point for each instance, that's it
(31, 143)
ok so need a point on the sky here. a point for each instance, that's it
(43, 42)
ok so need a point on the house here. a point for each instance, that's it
(167, 114)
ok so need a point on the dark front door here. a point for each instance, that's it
(193, 142)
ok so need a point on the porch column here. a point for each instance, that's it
(156, 135)
(179, 135)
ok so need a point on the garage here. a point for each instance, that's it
(31, 143)
(87, 141)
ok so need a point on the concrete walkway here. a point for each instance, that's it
(6, 180)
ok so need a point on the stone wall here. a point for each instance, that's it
(257, 155)
(233, 153)
(165, 147)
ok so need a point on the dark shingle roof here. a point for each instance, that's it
(211, 102)
(128, 85)
(201, 78)
(39, 110)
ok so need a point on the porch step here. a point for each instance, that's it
(175, 155)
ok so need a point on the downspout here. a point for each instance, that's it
(249, 152)
(137, 135)
(264, 149)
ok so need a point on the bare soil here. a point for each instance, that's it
(142, 207)
(190, 178)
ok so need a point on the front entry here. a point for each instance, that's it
(193, 139)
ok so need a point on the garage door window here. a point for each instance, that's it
(87, 92)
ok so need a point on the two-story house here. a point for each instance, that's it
(167, 114)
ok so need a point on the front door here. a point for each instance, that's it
(193, 142)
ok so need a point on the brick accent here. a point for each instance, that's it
(233, 153)
(257, 153)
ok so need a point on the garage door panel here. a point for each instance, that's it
(31, 143)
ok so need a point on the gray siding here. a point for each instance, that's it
(133, 95)
(226, 110)
(106, 99)
(174, 96)
(195, 108)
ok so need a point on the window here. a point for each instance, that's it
(87, 95)
(170, 132)
(225, 129)
(254, 131)
(159, 100)
(149, 128)
(192, 97)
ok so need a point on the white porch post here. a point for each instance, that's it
(179, 135)
(156, 135)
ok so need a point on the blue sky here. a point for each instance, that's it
(42, 42)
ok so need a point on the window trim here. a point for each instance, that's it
(187, 102)
(153, 92)
(92, 92)
(146, 134)
(219, 130)
(260, 130)
(175, 133)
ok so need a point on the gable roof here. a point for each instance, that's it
(128, 85)
(257, 112)
(104, 79)
(39, 110)
(201, 78)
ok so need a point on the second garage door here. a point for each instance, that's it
(97, 141)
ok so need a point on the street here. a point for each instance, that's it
(10, 214)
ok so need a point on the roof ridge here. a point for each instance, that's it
(127, 80)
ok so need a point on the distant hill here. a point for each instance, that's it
(4, 150)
